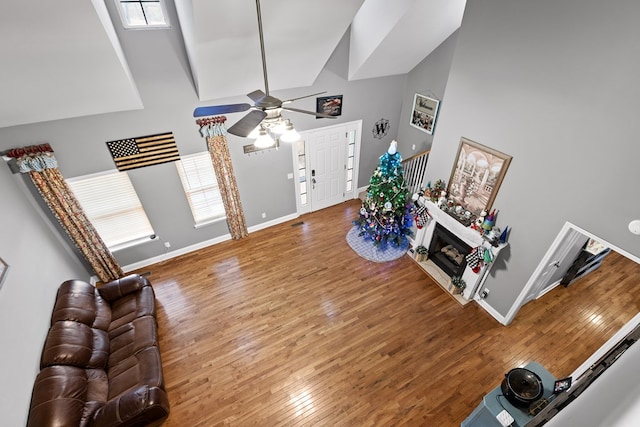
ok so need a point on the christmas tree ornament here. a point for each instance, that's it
(386, 216)
(393, 147)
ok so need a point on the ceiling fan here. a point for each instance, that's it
(266, 110)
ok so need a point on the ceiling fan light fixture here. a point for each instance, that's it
(265, 112)
(290, 134)
(255, 133)
(264, 140)
(279, 127)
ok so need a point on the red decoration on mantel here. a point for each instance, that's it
(31, 149)
(216, 120)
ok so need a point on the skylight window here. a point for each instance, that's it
(142, 13)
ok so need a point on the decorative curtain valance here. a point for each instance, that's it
(34, 158)
(212, 128)
(41, 165)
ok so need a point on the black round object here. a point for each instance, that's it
(522, 387)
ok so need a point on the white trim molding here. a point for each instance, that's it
(168, 255)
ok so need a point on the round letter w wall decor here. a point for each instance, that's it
(380, 128)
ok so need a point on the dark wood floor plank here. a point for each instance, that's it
(290, 327)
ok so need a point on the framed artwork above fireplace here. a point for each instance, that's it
(476, 176)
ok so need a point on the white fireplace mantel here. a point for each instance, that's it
(468, 235)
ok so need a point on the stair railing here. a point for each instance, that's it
(415, 168)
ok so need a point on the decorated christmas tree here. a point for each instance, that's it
(385, 217)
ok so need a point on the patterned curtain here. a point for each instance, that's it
(38, 161)
(214, 131)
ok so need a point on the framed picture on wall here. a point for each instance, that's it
(331, 105)
(424, 113)
(3, 271)
(476, 176)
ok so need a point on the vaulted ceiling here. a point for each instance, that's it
(64, 59)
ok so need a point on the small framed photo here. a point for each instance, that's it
(561, 385)
(424, 113)
(3, 271)
(331, 105)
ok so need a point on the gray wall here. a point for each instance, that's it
(428, 78)
(159, 66)
(554, 84)
(38, 263)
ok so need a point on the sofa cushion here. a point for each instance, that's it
(76, 344)
(118, 288)
(141, 368)
(79, 301)
(132, 337)
(66, 396)
(131, 306)
(142, 406)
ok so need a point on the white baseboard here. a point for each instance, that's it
(204, 244)
(549, 289)
(173, 254)
(492, 311)
(273, 222)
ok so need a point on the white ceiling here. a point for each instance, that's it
(66, 61)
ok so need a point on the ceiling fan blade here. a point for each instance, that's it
(256, 95)
(297, 110)
(220, 109)
(302, 97)
(245, 125)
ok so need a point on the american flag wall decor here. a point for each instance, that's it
(143, 151)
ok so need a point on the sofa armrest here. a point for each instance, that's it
(142, 406)
(115, 289)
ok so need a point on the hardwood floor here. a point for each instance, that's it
(290, 327)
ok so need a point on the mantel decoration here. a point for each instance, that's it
(476, 176)
(421, 253)
(458, 285)
(424, 113)
(483, 222)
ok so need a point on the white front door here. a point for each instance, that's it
(327, 162)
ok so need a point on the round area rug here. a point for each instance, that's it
(366, 249)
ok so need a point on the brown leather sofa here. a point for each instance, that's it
(100, 363)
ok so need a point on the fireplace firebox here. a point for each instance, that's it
(448, 252)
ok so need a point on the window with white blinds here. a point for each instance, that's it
(112, 205)
(200, 185)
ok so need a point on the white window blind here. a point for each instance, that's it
(200, 185)
(112, 205)
(142, 13)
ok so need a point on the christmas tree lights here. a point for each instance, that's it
(385, 216)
